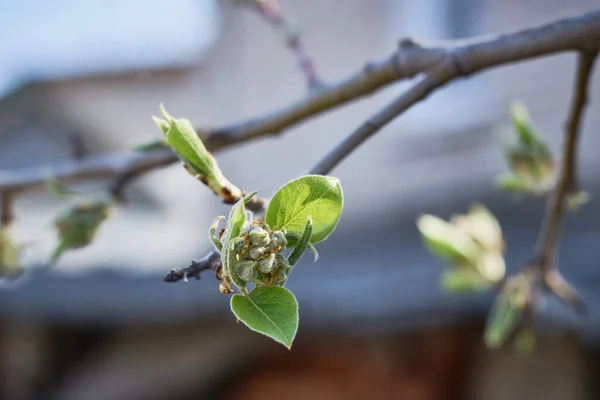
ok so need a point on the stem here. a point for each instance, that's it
(567, 176)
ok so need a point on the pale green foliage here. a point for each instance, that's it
(181, 136)
(78, 225)
(314, 195)
(471, 244)
(507, 310)
(532, 166)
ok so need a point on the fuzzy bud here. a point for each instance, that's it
(266, 265)
(277, 240)
(256, 252)
(247, 270)
(258, 236)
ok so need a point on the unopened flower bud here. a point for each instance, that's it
(256, 252)
(281, 275)
(258, 236)
(247, 270)
(266, 265)
(77, 226)
(277, 241)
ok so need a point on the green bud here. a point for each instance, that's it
(212, 233)
(481, 225)
(491, 266)
(78, 225)
(266, 265)
(246, 270)
(507, 311)
(256, 252)
(462, 281)
(10, 254)
(576, 200)
(56, 188)
(448, 241)
(181, 136)
(282, 263)
(281, 276)
(277, 240)
(259, 236)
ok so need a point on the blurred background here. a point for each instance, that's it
(374, 323)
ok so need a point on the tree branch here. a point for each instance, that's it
(576, 33)
(451, 62)
(546, 248)
(212, 261)
(271, 11)
(7, 213)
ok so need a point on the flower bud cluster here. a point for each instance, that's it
(259, 256)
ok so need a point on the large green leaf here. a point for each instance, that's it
(270, 310)
(316, 196)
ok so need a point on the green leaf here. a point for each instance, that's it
(491, 266)
(316, 196)
(575, 201)
(510, 182)
(447, 241)
(182, 137)
(463, 281)
(56, 188)
(212, 234)
(235, 223)
(78, 225)
(229, 262)
(506, 312)
(270, 310)
(524, 128)
(302, 243)
(485, 228)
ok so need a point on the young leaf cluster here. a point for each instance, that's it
(532, 166)
(472, 245)
(263, 253)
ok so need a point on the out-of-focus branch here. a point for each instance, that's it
(571, 34)
(7, 213)
(271, 11)
(546, 248)
(19, 181)
(411, 59)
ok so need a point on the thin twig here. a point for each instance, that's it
(547, 242)
(271, 11)
(568, 170)
(430, 82)
(7, 212)
(212, 261)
